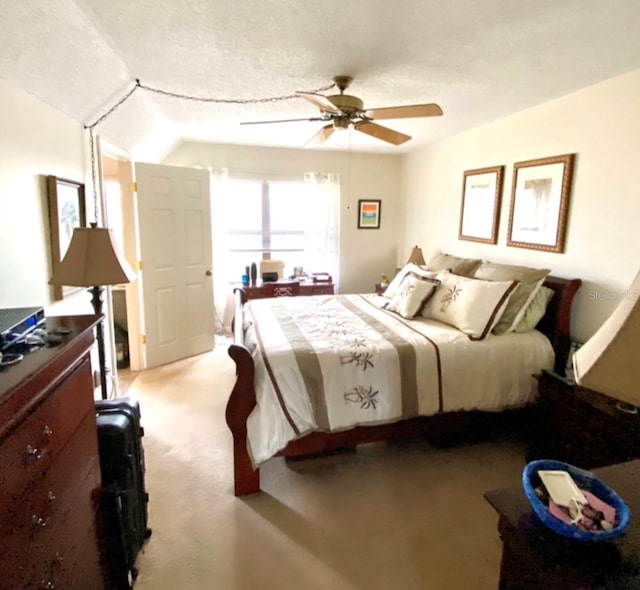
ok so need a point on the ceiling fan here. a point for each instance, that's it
(342, 110)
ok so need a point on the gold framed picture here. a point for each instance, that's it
(480, 208)
(540, 203)
(67, 210)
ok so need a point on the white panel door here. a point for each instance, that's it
(174, 210)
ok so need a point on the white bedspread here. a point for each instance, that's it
(332, 362)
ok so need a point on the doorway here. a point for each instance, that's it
(162, 223)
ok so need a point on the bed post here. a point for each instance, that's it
(556, 324)
(240, 404)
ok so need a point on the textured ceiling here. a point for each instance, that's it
(479, 59)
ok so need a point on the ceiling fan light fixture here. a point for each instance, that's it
(341, 122)
(346, 103)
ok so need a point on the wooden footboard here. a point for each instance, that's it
(240, 404)
(555, 325)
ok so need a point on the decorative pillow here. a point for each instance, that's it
(460, 266)
(395, 283)
(412, 295)
(535, 310)
(530, 280)
(473, 306)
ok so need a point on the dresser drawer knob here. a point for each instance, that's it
(45, 585)
(33, 453)
(47, 432)
(51, 496)
(38, 521)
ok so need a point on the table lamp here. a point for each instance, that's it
(609, 361)
(416, 256)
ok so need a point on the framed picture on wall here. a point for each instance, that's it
(540, 203)
(480, 208)
(66, 212)
(369, 213)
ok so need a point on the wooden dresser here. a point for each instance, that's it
(49, 467)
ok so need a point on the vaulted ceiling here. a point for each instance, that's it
(478, 59)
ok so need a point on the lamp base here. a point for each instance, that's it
(96, 301)
(626, 408)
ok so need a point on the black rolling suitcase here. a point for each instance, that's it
(124, 513)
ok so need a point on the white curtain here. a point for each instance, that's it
(222, 293)
(323, 231)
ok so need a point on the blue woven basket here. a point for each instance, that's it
(586, 481)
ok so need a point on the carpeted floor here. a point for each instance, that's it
(401, 517)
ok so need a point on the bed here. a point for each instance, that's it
(294, 357)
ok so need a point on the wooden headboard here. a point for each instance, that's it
(556, 323)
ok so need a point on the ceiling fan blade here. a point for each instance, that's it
(321, 101)
(406, 112)
(281, 121)
(319, 138)
(383, 133)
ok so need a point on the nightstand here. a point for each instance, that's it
(536, 558)
(581, 426)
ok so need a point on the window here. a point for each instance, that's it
(292, 221)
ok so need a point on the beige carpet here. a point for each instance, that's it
(403, 517)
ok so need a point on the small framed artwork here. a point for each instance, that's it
(66, 211)
(480, 209)
(540, 203)
(369, 213)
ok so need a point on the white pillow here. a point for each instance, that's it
(390, 291)
(473, 306)
(412, 295)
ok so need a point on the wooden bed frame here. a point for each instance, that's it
(555, 325)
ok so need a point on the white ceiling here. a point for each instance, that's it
(479, 59)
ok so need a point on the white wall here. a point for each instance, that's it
(35, 140)
(364, 254)
(601, 125)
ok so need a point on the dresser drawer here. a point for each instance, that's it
(54, 562)
(322, 290)
(33, 526)
(254, 293)
(31, 449)
(83, 573)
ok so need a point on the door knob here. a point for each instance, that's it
(208, 273)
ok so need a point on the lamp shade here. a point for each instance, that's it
(608, 362)
(416, 256)
(91, 260)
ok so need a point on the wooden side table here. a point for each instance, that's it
(536, 558)
(581, 426)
